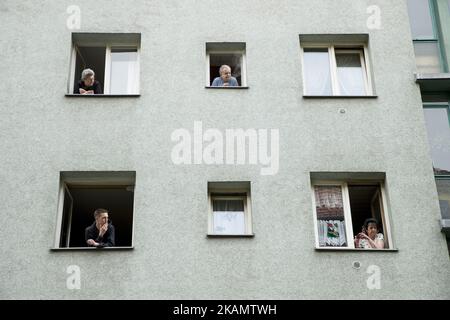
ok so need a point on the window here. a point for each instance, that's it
(336, 70)
(113, 57)
(425, 35)
(341, 208)
(437, 118)
(231, 54)
(229, 209)
(81, 193)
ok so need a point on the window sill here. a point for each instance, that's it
(226, 88)
(92, 248)
(355, 249)
(340, 97)
(212, 235)
(70, 95)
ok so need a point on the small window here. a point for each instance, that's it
(231, 58)
(82, 193)
(341, 210)
(424, 32)
(229, 209)
(331, 70)
(113, 59)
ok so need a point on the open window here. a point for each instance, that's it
(229, 209)
(113, 57)
(437, 119)
(341, 207)
(231, 54)
(335, 68)
(81, 193)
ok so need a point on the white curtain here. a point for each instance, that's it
(328, 196)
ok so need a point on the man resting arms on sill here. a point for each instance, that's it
(101, 233)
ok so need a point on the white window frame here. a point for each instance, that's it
(243, 65)
(347, 212)
(107, 81)
(362, 48)
(223, 196)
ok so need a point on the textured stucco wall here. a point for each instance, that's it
(43, 132)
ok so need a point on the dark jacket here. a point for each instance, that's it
(108, 239)
(96, 87)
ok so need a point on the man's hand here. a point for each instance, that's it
(103, 230)
(91, 242)
(82, 91)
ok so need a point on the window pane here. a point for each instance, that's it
(350, 74)
(233, 60)
(123, 72)
(420, 19)
(427, 57)
(228, 217)
(330, 216)
(92, 58)
(228, 205)
(438, 129)
(443, 187)
(317, 72)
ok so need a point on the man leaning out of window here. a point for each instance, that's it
(101, 232)
(87, 84)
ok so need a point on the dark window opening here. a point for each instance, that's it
(92, 58)
(80, 202)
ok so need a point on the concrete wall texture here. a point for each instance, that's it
(44, 132)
